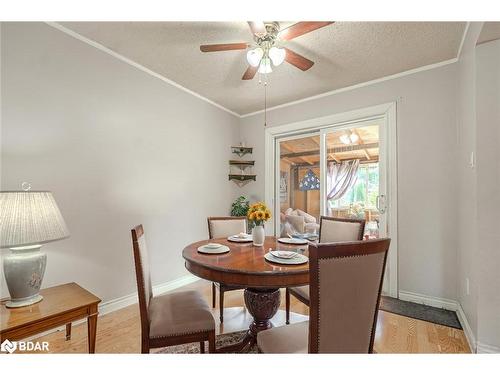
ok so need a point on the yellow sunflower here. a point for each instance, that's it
(260, 215)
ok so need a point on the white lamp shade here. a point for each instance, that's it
(277, 55)
(254, 56)
(265, 66)
(30, 218)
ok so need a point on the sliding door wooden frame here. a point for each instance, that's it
(388, 113)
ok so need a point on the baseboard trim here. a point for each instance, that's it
(487, 349)
(442, 303)
(122, 302)
(469, 335)
(448, 304)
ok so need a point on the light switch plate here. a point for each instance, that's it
(471, 160)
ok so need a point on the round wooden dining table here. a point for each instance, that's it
(244, 265)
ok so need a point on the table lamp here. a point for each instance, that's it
(28, 219)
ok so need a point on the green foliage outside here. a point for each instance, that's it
(364, 192)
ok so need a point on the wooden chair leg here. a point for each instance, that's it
(221, 303)
(213, 295)
(144, 347)
(287, 306)
(202, 347)
(68, 331)
(211, 342)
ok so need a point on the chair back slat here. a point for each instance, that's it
(143, 275)
(336, 229)
(225, 226)
(345, 285)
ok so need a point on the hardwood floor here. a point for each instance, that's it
(119, 332)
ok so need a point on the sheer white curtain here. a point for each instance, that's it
(340, 178)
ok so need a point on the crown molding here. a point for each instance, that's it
(136, 65)
(463, 39)
(357, 86)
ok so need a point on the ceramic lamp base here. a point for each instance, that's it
(23, 269)
(12, 304)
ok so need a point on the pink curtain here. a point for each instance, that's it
(340, 178)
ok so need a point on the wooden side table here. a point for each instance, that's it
(60, 306)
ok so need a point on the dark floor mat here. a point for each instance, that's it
(422, 312)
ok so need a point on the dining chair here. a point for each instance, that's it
(346, 282)
(331, 229)
(223, 227)
(169, 319)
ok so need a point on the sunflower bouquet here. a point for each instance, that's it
(258, 213)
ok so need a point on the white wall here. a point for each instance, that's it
(488, 193)
(478, 124)
(466, 178)
(426, 168)
(117, 147)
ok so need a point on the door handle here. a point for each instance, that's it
(381, 203)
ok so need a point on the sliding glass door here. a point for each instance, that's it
(354, 176)
(337, 171)
(298, 203)
(353, 171)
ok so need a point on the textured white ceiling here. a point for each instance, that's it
(489, 32)
(345, 54)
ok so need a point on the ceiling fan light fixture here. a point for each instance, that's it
(353, 137)
(277, 55)
(344, 138)
(265, 66)
(254, 56)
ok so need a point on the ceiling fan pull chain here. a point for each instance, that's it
(265, 102)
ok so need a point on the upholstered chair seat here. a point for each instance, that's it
(291, 339)
(179, 313)
(331, 230)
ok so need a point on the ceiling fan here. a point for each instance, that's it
(267, 49)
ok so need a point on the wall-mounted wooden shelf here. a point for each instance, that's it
(242, 164)
(243, 177)
(241, 150)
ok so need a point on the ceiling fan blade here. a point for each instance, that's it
(250, 72)
(222, 47)
(258, 28)
(301, 28)
(297, 60)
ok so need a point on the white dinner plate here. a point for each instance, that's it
(293, 241)
(299, 259)
(209, 250)
(235, 238)
(305, 236)
(284, 254)
(212, 245)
